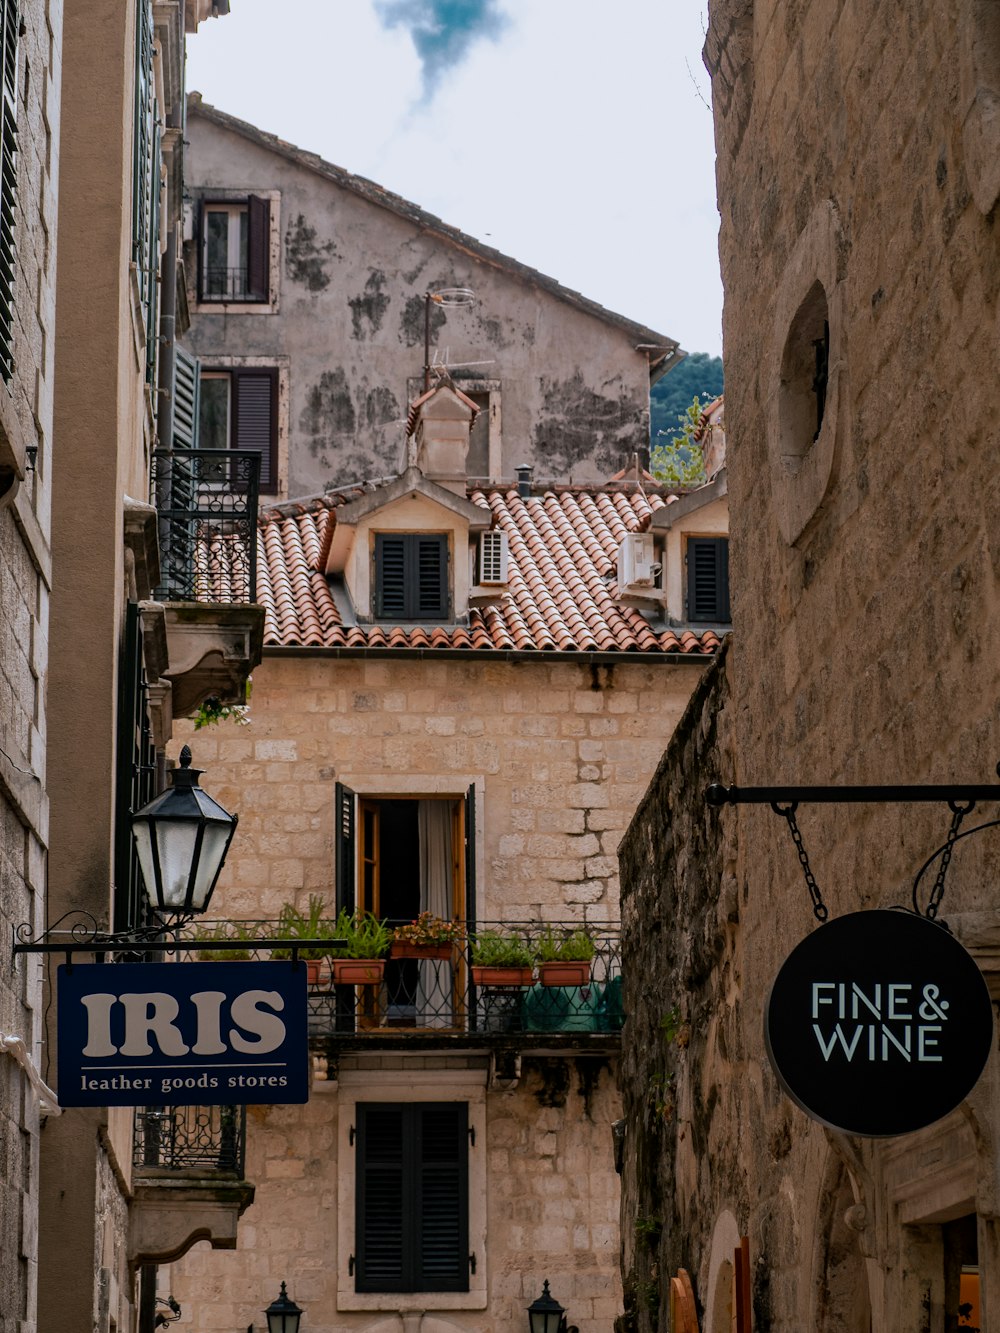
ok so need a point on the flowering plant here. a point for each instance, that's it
(429, 929)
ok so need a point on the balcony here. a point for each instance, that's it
(437, 1002)
(206, 503)
(187, 1176)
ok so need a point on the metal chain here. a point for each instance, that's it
(937, 893)
(820, 910)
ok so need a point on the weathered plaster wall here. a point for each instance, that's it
(866, 630)
(561, 752)
(349, 315)
(25, 580)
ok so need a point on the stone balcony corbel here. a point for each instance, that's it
(169, 1213)
(213, 647)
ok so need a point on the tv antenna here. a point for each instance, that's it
(451, 298)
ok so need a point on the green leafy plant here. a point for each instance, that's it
(649, 1229)
(364, 935)
(679, 461)
(237, 931)
(212, 710)
(577, 947)
(492, 948)
(429, 929)
(294, 924)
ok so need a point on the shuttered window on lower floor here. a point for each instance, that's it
(412, 1207)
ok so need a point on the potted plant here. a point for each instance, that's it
(360, 961)
(428, 936)
(564, 960)
(294, 924)
(237, 931)
(501, 960)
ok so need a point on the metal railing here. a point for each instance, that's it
(186, 1138)
(207, 505)
(219, 283)
(448, 995)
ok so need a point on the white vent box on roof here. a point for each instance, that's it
(493, 556)
(637, 564)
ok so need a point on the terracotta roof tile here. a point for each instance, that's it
(563, 549)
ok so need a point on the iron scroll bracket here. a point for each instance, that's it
(961, 800)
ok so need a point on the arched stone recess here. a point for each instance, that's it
(841, 1295)
(980, 99)
(721, 1271)
(412, 1321)
(807, 439)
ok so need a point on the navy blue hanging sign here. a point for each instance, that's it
(174, 1034)
(878, 1023)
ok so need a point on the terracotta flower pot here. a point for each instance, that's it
(564, 974)
(358, 971)
(314, 967)
(404, 949)
(484, 975)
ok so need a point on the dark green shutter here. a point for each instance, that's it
(411, 576)
(142, 142)
(9, 22)
(708, 579)
(153, 258)
(412, 1222)
(187, 398)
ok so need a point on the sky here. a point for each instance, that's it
(573, 135)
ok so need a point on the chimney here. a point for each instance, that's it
(438, 426)
(524, 471)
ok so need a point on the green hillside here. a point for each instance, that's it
(698, 374)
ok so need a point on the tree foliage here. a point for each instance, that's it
(678, 461)
(698, 374)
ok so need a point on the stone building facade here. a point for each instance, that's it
(532, 710)
(857, 152)
(308, 295)
(29, 161)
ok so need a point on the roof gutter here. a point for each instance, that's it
(496, 655)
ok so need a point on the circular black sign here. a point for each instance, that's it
(878, 1023)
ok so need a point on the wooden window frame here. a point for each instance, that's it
(256, 289)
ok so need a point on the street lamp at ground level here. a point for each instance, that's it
(546, 1315)
(283, 1314)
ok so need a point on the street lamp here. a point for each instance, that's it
(181, 839)
(283, 1314)
(545, 1314)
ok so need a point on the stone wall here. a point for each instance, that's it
(560, 753)
(854, 195)
(551, 1203)
(25, 580)
(683, 1041)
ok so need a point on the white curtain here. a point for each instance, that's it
(434, 983)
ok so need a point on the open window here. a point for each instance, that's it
(398, 856)
(234, 250)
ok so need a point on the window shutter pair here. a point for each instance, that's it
(411, 575)
(708, 579)
(412, 1191)
(253, 413)
(9, 21)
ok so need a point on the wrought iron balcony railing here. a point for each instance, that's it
(220, 283)
(193, 1139)
(207, 505)
(449, 996)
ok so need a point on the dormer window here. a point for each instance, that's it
(411, 575)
